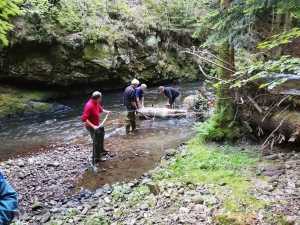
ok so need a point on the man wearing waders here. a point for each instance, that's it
(130, 104)
(172, 94)
(91, 118)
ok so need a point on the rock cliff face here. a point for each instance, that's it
(68, 60)
(60, 48)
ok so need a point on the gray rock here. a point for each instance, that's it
(170, 152)
(198, 199)
(144, 206)
(270, 157)
(154, 189)
(46, 217)
(273, 178)
(297, 184)
(37, 205)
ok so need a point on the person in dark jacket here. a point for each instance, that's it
(130, 105)
(8, 202)
(172, 94)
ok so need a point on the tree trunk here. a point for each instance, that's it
(285, 122)
(224, 113)
(164, 113)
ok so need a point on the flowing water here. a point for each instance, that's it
(138, 152)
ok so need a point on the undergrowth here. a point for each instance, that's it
(213, 129)
(204, 164)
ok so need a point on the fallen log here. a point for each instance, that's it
(284, 122)
(163, 113)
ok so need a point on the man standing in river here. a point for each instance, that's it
(91, 118)
(172, 94)
(139, 92)
(130, 104)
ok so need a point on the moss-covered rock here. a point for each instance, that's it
(21, 101)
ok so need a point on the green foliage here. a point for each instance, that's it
(140, 193)
(92, 18)
(123, 192)
(230, 24)
(13, 101)
(210, 165)
(72, 213)
(177, 15)
(215, 129)
(41, 7)
(278, 39)
(8, 8)
(120, 192)
(206, 131)
(236, 22)
(96, 220)
(272, 69)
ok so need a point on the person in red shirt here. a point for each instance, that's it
(91, 118)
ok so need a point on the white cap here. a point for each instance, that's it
(135, 81)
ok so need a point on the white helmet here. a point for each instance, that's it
(135, 81)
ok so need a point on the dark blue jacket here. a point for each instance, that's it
(8, 202)
(171, 93)
(129, 96)
(139, 93)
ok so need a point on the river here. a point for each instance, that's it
(133, 154)
(20, 136)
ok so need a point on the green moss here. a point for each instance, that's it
(146, 75)
(211, 165)
(96, 51)
(224, 220)
(101, 54)
(22, 101)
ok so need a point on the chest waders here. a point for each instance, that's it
(98, 146)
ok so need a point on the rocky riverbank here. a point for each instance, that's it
(45, 181)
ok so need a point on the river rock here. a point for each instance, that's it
(154, 189)
(198, 199)
(270, 157)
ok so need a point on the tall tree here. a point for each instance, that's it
(224, 110)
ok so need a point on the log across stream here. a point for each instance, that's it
(163, 113)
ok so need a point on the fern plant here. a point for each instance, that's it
(8, 8)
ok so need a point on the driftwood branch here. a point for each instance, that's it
(200, 67)
(282, 100)
(212, 62)
(274, 131)
(289, 93)
(282, 111)
(255, 104)
(217, 58)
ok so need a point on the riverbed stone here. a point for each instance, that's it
(198, 199)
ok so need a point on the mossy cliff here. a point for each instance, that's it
(59, 47)
(71, 47)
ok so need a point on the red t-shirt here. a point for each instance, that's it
(91, 112)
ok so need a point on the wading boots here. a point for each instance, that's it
(99, 144)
